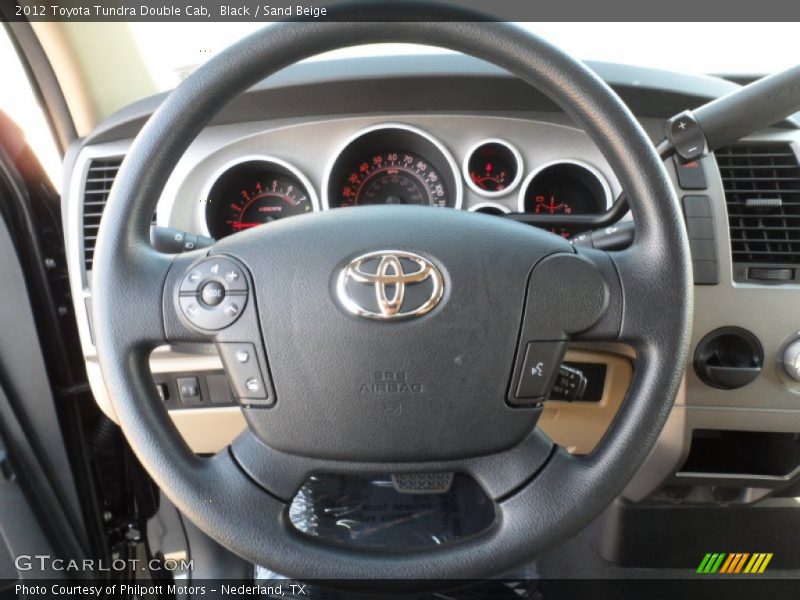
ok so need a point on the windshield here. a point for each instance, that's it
(172, 50)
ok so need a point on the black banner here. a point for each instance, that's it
(404, 10)
(705, 587)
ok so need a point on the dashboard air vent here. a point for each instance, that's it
(762, 192)
(99, 179)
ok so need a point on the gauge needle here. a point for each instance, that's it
(246, 225)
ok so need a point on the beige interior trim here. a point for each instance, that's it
(579, 426)
(211, 429)
(206, 430)
(98, 66)
(69, 73)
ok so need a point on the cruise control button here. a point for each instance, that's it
(539, 370)
(213, 293)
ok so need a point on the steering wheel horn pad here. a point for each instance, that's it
(359, 389)
(314, 364)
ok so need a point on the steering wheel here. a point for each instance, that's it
(444, 304)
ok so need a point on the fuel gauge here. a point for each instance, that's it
(493, 168)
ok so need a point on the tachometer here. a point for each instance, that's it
(253, 193)
(393, 177)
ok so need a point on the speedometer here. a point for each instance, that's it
(392, 164)
(393, 177)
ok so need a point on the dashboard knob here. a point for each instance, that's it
(791, 360)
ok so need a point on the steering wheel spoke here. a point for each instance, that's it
(282, 474)
(134, 296)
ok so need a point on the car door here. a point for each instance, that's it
(40, 513)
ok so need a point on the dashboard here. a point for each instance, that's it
(484, 164)
(453, 133)
(397, 163)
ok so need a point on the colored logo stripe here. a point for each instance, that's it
(711, 563)
(758, 563)
(735, 562)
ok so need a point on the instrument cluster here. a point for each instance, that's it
(401, 164)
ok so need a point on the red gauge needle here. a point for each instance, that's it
(246, 225)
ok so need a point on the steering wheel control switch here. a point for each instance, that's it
(538, 372)
(175, 241)
(213, 293)
(242, 365)
(570, 384)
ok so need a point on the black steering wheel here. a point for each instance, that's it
(307, 311)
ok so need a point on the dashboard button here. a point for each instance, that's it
(219, 389)
(539, 370)
(700, 228)
(703, 249)
(697, 206)
(705, 272)
(189, 390)
(691, 175)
